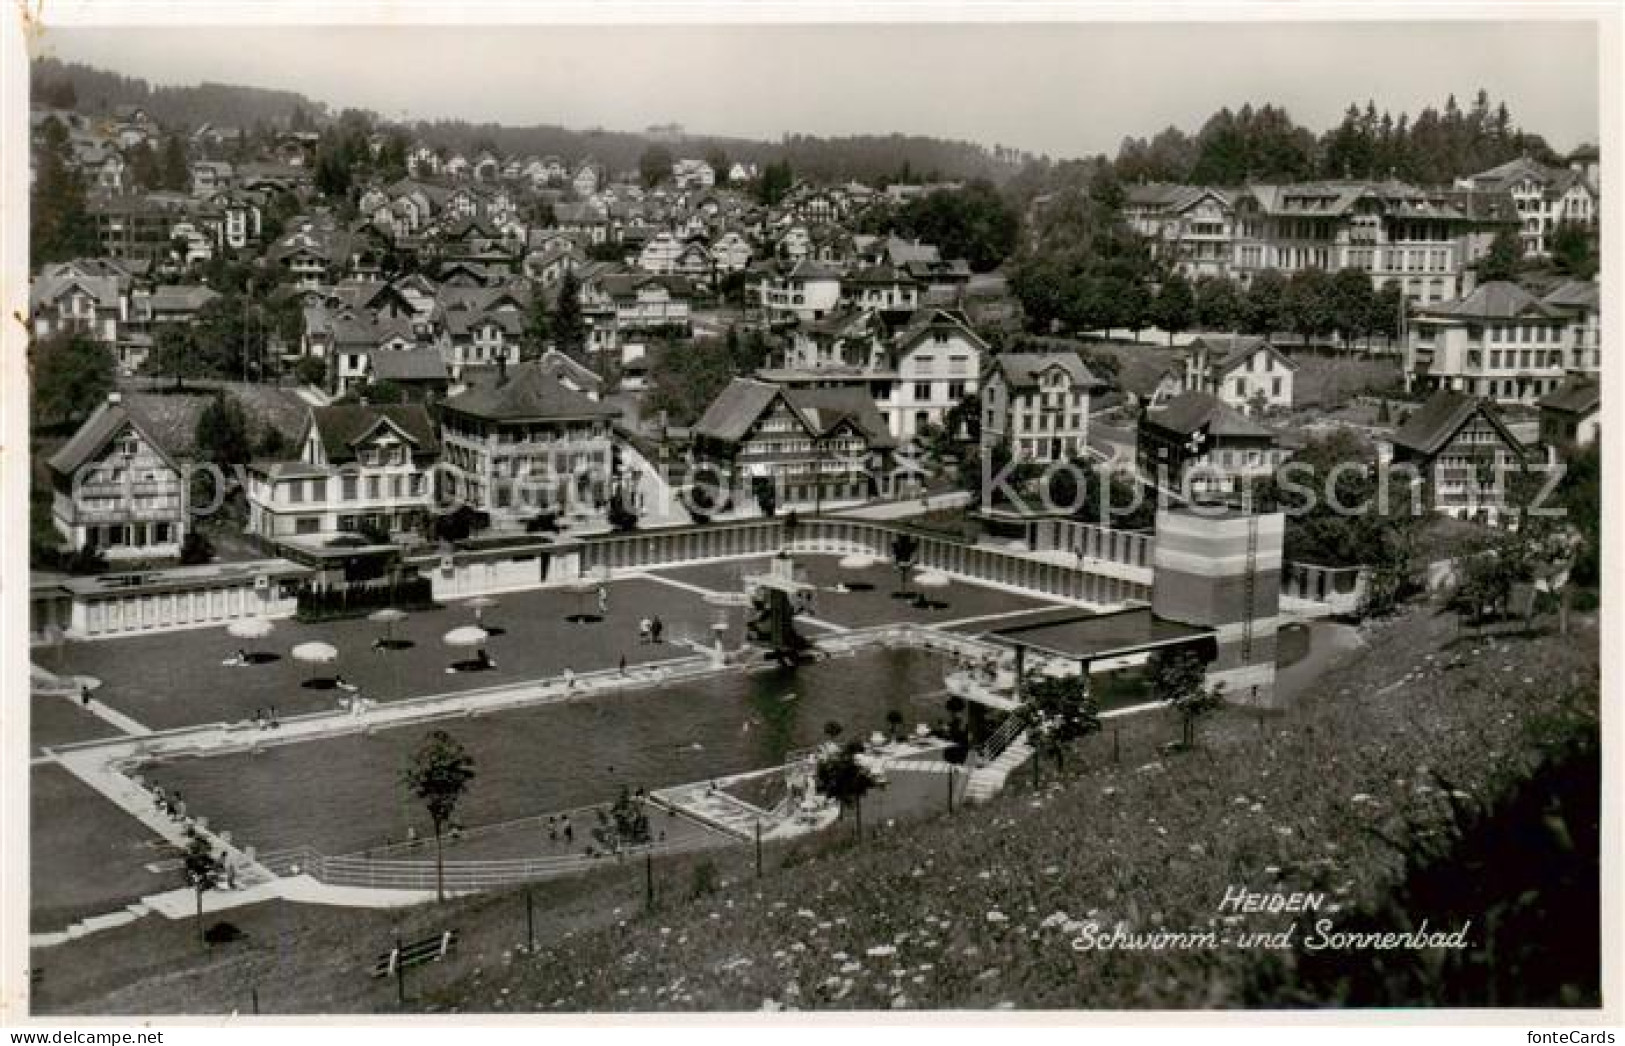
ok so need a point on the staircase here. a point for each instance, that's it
(986, 781)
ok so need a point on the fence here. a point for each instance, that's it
(461, 876)
(981, 563)
(1127, 548)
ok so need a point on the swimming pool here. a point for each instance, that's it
(344, 794)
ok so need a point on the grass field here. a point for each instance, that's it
(176, 679)
(54, 720)
(1327, 381)
(87, 857)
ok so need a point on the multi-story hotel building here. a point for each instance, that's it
(529, 441)
(1424, 239)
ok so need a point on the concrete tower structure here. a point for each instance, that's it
(1220, 568)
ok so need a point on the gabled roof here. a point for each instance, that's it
(924, 321)
(568, 370)
(1579, 294)
(181, 297)
(167, 423)
(808, 270)
(1190, 411)
(1173, 197)
(823, 411)
(1433, 424)
(736, 409)
(1022, 369)
(881, 275)
(533, 392)
(1226, 352)
(1499, 300)
(342, 426)
(826, 410)
(50, 287)
(1582, 397)
(408, 365)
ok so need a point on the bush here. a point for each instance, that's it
(620, 517)
(460, 523)
(311, 371)
(87, 560)
(704, 880)
(374, 534)
(543, 523)
(359, 600)
(196, 550)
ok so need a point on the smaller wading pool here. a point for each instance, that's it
(345, 795)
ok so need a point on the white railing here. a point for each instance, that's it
(1007, 732)
(461, 876)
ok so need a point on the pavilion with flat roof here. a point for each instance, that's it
(1079, 637)
(1085, 638)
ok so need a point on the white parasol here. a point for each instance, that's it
(250, 628)
(857, 561)
(315, 653)
(932, 579)
(467, 636)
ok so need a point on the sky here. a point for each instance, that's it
(1061, 89)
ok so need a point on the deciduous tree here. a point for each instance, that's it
(439, 775)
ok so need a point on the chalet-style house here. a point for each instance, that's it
(1463, 454)
(810, 444)
(120, 483)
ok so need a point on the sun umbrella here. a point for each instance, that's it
(857, 561)
(315, 654)
(389, 617)
(479, 604)
(468, 635)
(250, 628)
(932, 579)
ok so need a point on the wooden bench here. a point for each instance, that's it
(414, 953)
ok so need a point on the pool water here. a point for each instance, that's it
(343, 795)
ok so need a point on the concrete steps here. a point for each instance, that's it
(986, 781)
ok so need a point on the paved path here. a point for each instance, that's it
(906, 509)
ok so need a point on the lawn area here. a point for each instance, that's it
(86, 856)
(54, 720)
(343, 795)
(982, 911)
(1327, 381)
(1151, 840)
(176, 679)
(866, 608)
